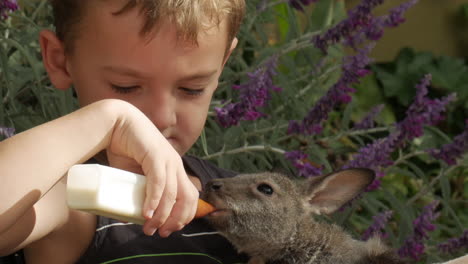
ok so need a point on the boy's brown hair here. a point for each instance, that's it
(189, 16)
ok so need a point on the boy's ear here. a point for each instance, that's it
(53, 57)
(328, 193)
(231, 48)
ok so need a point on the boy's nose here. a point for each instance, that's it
(162, 111)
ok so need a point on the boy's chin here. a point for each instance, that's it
(177, 146)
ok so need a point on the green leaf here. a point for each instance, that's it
(396, 180)
(322, 15)
(282, 21)
(406, 215)
(464, 10)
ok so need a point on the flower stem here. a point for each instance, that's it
(244, 149)
(356, 133)
(427, 188)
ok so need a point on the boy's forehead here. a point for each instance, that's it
(103, 14)
(110, 9)
(115, 43)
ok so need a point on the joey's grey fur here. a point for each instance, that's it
(270, 217)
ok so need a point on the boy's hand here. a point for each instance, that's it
(171, 198)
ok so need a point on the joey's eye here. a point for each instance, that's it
(265, 189)
(124, 89)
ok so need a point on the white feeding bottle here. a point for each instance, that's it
(106, 191)
(112, 192)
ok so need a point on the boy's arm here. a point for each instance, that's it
(32, 162)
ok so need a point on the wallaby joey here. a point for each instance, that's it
(269, 216)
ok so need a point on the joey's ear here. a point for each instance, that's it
(53, 57)
(328, 193)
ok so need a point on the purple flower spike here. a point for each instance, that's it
(395, 18)
(361, 25)
(302, 164)
(7, 6)
(423, 111)
(253, 94)
(368, 121)
(423, 223)
(375, 155)
(379, 174)
(358, 18)
(353, 67)
(452, 151)
(380, 221)
(414, 246)
(7, 131)
(375, 28)
(454, 244)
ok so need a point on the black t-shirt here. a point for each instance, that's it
(125, 243)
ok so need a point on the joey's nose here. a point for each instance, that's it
(214, 185)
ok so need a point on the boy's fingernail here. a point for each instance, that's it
(149, 214)
(165, 233)
(151, 231)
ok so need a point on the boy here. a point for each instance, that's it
(144, 73)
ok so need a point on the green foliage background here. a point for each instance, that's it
(28, 99)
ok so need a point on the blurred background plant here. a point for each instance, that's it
(302, 94)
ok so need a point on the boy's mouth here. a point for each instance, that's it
(172, 141)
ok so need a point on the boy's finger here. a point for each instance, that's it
(177, 220)
(184, 209)
(155, 185)
(192, 198)
(167, 200)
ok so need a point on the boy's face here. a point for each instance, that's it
(171, 82)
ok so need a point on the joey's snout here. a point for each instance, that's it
(214, 193)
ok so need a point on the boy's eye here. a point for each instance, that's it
(124, 89)
(192, 92)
